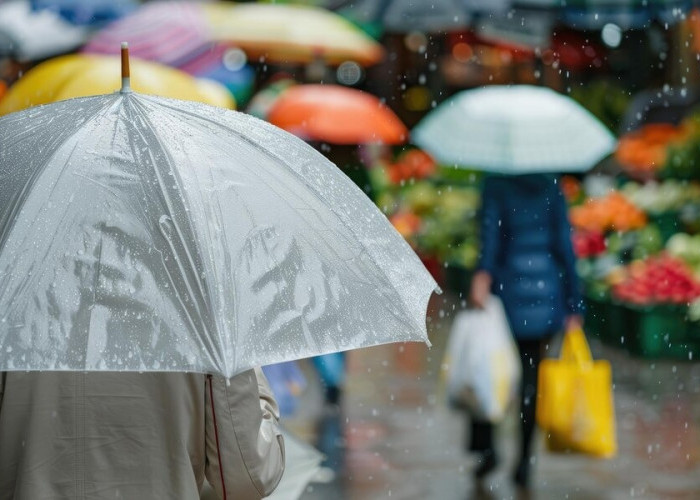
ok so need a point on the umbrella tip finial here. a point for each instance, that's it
(126, 78)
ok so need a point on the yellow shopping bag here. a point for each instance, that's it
(575, 401)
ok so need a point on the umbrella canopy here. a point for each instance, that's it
(172, 32)
(403, 16)
(627, 14)
(36, 35)
(514, 130)
(294, 33)
(336, 115)
(178, 34)
(261, 103)
(84, 75)
(148, 234)
(87, 12)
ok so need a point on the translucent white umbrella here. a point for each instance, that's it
(514, 130)
(148, 234)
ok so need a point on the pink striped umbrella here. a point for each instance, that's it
(171, 33)
(176, 32)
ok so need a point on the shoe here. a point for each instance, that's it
(487, 463)
(522, 474)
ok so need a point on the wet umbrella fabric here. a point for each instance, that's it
(516, 129)
(147, 234)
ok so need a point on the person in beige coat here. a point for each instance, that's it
(136, 436)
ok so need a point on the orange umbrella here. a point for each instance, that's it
(336, 115)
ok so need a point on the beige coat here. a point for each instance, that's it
(136, 436)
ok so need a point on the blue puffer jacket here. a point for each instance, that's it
(526, 247)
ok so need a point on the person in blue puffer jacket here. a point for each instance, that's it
(527, 260)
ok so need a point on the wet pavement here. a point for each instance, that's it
(394, 437)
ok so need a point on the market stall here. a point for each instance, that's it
(636, 236)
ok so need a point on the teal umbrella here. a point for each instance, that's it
(404, 16)
(514, 130)
(627, 14)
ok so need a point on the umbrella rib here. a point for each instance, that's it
(271, 154)
(205, 296)
(37, 172)
(32, 179)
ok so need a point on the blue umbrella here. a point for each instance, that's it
(224, 64)
(87, 12)
(239, 82)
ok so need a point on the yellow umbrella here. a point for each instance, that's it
(79, 75)
(291, 33)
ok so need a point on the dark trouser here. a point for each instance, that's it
(482, 432)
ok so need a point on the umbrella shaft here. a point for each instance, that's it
(126, 75)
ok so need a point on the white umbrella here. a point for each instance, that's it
(148, 234)
(514, 130)
(38, 34)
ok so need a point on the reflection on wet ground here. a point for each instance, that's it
(394, 436)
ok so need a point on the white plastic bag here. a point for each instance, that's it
(483, 366)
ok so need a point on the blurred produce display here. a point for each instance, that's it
(662, 150)
(636, 238)
(645, 151)
(687, 248)
(436, 214)
(683, 160)
(638, 246)
(588, 243)
(662, 279)
(659, 197)
(606, 99)
(614, 211)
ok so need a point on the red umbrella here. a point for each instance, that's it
(336, 115)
